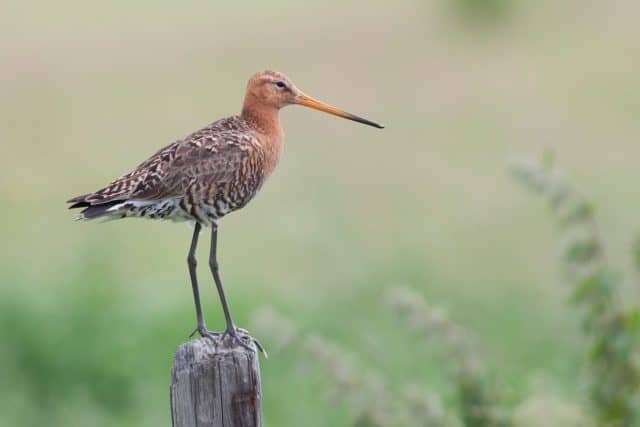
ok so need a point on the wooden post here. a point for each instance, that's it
(215, 386)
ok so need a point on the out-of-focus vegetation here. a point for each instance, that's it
(479, 402)
(90, 314)
(611, 321)
(483, 12)
(611, 324)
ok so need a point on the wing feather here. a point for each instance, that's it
(215, 152)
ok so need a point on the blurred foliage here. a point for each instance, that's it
(612, 325)
(484, 12)
(545, 407)
(77, 357)
(71, 353)
(635, 250)
(372, 402)
(366, 393)
(480, 403)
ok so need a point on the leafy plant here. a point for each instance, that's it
(365, 393)
(612, 327)
(479, 402)
(611, 324)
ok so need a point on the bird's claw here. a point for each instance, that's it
(233, 334)
(241, 336)
(205, 333)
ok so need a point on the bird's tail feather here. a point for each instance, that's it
(95, 211)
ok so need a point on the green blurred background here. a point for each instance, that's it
(90, 314)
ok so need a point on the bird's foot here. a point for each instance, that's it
(241, 337)
(232, 335)
(205, 333)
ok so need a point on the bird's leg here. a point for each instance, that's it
(213, 264)
(191, 261)
(231, 329)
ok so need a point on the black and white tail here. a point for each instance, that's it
(98, 210)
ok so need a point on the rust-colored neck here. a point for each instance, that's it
(261, 117)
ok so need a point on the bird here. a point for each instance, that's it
(208, 174)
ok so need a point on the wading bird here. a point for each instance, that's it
(213, 171)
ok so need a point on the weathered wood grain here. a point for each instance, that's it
(215, 386)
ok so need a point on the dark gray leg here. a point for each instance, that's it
(213, 264)
(192, 262)
(231, 329)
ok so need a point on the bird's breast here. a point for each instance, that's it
(271, 148)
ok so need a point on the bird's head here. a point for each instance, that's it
(275, 90)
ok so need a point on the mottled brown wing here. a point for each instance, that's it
(170, 171)
(217, 161)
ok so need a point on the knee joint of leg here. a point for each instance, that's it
(191, 260)
(213, 264)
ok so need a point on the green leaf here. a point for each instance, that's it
(582, 251)
(587, 286)
(635, 253)
(599, 350)
(633, 319)
(581, 211)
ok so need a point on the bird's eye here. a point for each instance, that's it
(280, 84)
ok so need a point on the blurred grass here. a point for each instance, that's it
(91, 313)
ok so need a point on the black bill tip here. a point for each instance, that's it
(364, 121)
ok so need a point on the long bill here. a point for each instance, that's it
(307, 101)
